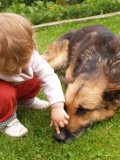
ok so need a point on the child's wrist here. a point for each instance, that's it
(57, 105)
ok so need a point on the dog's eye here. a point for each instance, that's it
(81, 111)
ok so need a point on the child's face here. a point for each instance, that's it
(24, 67)
(17, 69)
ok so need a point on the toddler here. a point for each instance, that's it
(22, 74)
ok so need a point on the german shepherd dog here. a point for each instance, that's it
(91, 59)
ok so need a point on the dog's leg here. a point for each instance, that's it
(70, 70)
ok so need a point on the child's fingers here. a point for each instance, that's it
(61, 124)
(65, 121)
(57, 128)
(51, 123)
(66, 116)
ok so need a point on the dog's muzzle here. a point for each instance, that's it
(66, 136)
(63, 136)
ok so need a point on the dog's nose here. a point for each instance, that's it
(63, 136)
(66, 136)
(60, 137)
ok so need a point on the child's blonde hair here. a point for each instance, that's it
(16, 42)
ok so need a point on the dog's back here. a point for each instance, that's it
(96, 47)
(82, 36)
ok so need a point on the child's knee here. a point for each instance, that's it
(7, 101)
(7, 92)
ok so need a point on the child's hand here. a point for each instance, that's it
(59, 117)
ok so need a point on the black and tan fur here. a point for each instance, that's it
(93, 72)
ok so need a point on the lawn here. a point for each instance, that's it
(101, 142)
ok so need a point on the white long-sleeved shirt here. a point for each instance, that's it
(39, 68)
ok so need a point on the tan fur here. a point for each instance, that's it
(90, 73)
(89, 91)
(69, 70)
(57, 55)
(88, 96)
(76, 122)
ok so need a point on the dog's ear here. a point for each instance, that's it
(67, 35)
(53, 45)
(61, 45)
(64, 44)
(113, 87)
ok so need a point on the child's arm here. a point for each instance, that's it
(48, 79)
(53, 90)
(59, 117)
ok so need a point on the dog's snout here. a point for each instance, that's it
(63, 136)
(60, 137)
(66, 136)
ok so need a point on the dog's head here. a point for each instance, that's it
(57, 54)
(84, 105)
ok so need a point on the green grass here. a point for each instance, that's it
(101, 142)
